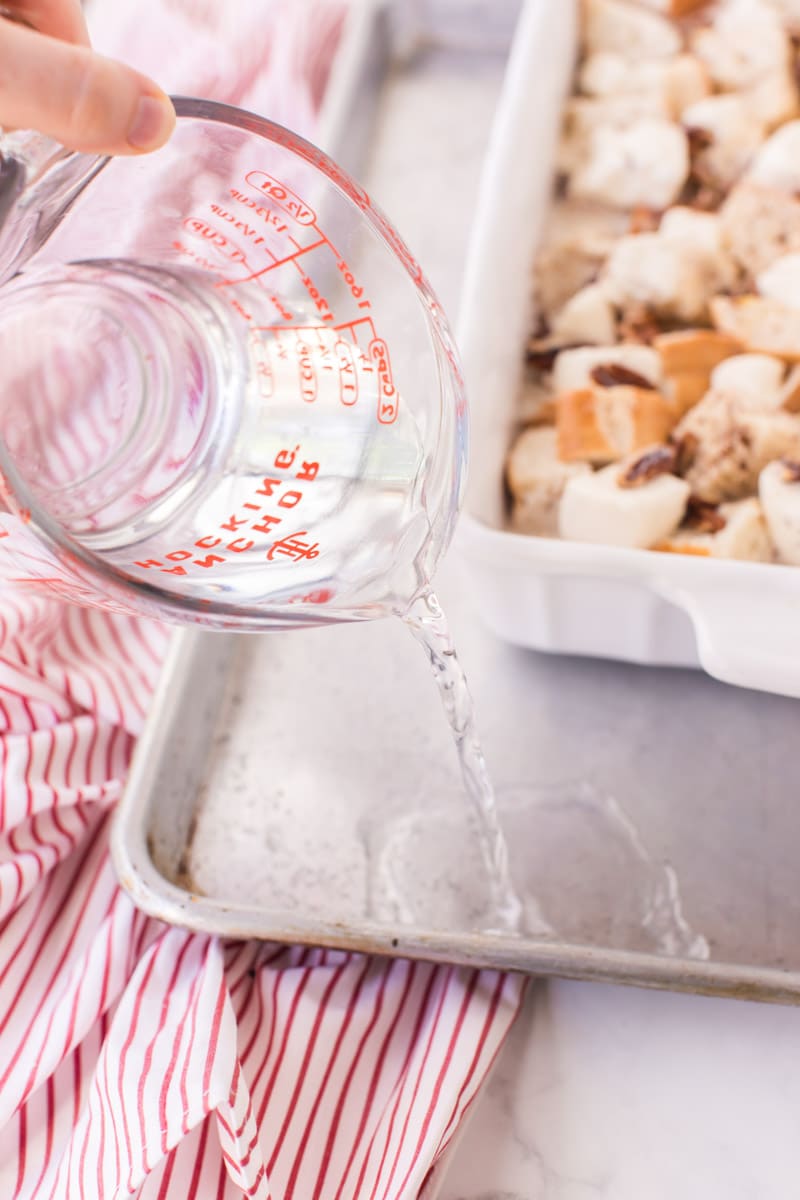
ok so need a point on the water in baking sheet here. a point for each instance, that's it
(583, 873)
(428, 624)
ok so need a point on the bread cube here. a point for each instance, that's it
(760, 224)
(745, 44)
(589, 316)
(574, 369)
(646, 163)
(670, 85)
(673, 278)
(688, 357)
(536, 479)
(701, 230)
(735, 530)
(774, 99)
(621, 27)
(733, 131)
(755, 381)
(760, 324)
(602, 424)
(566, 266)
(789, 11)
(598, 508)
(781, 281)
(727, 447)
(777, 163)
(694, 350)
(779, 489)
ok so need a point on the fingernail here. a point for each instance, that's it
(152, 123)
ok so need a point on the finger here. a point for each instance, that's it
(61, 19)
(81, 99)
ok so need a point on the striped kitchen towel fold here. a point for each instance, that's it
(141, 1060)
(137, 1059)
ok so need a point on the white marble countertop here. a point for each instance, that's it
(632, 1095)
(600, 1090)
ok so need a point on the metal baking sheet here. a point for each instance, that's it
(303, 787)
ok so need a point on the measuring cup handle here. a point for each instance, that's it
(30, 152)
(39, 180)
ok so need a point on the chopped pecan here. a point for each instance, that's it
(698, 139)
(703, 516)
(541, 357)
(791, 470)
(707, 198)
(638, 324)
(701, 192)
(795, 58)
(658, 460)
(542, 353)
(613, 374)
(685, 452)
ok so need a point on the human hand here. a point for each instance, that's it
(52, 81)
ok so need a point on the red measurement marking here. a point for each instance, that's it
(348, 377)
(358, 324)
(321, 303)
(305, 368)
(204, 263)
(266, 214)
(356, 291)
(271, 219)
(286, 313)
(387, 399)
(201, 228)
(279, 262)
(286, 199)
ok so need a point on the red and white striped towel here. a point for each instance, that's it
(141, 1060)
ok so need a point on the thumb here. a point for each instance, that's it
(83, 100)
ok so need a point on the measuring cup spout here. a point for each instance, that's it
(39, 181)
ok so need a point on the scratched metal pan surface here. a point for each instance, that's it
(303, 787)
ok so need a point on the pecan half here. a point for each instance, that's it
(658, 460)
(703, 516)
(615, 375)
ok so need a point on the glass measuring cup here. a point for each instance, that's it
(230, 395)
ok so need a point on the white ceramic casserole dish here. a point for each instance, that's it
(739, 621)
